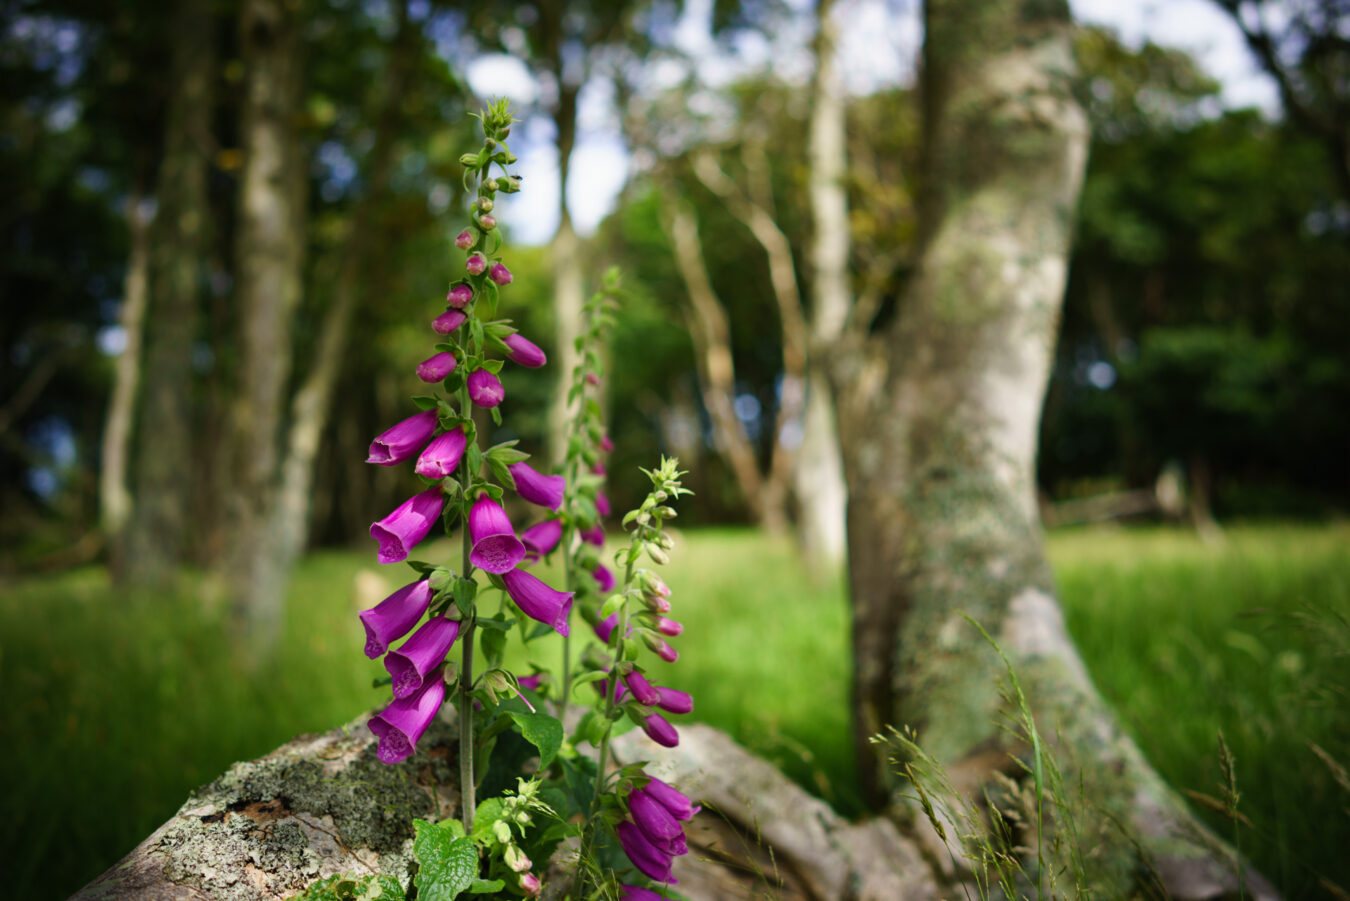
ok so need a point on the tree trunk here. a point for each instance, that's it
(154, 546)
(940, 422)
(114, 492)
(269, 264)
(819, 476)
(568, 278)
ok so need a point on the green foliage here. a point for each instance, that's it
(447, 860)
(343, 887)
(542, 731)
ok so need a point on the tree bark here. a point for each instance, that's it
(114, 491)
(820, 489)
(269, 264)
(569, 292)
(154, 546)
(940, 421)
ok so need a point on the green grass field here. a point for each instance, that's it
(114, 707)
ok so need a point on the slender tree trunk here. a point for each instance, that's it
(270, 260)
(568, 278)
(819, 476)
(114, 492)
(711, 333)
(313, 401)
(155, 538)
(940, 421)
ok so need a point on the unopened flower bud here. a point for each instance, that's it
(475, 264)
(448, 321)
(468, 159)
(530, 885)
(485, 204)
(514, 857)
(487, 223)
(502, 832)
(464, 240)
(657, 555)
(459, 296)
(501, 275)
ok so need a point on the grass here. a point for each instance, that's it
(112, 708)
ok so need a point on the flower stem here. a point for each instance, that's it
(568, 535)
(466, 748)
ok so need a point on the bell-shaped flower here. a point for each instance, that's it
(541, 538)
(537, 488)
(641, 688)
(501, 275)
(656, 823)
(594, 535)
(672, 700)
(442, 455)
(448, 321)
(485, 389)
(459, 296)
(475, 264)
(495, 547)
(394, 617)
(538, 601)
(404, 440)
(651, 861)
(524, 351)
(660, 731)
(531, 683)
(401, 531)
(436, 367)
(421, 654)
(402, 723)
(603, 577)
(675, 801)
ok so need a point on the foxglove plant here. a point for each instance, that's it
(495, 846)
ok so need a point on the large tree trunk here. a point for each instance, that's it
(154, 545)
(114, 491)
(270, 259)
(819, 477)
(940, 418)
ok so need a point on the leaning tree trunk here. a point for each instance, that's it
(940, 419)
(569, 291)
(270, 258)
(155, 531)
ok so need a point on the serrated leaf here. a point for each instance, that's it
(448, 860)
(543, 731)
(343, 887)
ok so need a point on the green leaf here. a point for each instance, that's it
(539, 631)
(448, 860)
(465, 591)
(494, 646)
(489, 812)
(541, 730)
(345, 887)
(426, 402)
(594, 675)
(485, 886)
(475, 458)
(497, 623)
(501, 473)
(612, 605)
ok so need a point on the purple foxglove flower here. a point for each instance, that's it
(660, 731)
(650, 860)
(400, 531)
(435, 368)
(672, 700)
(459, 296)
(656, 823)
(394, 617)
(399, 442)
(496, 549)
(421, 654)
(541, 538)
(666, 652)
(641, 688)
(538, 601)
(402, 723)
(595, 536)
(537, 488)
(668, 626)
(602, 504)
(524, 351)
(485, 390)
(531, 683)
(475, 264)
(675, 801)
(606, 444)
(442, 455)
(606, 627)
(448, 321)
(604, 577)
(530, 885)
(501, 275)
(598, 469)
(464, 240)
(637, 893)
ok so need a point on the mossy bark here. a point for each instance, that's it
(940, 415)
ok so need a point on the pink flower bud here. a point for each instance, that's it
(485, 390)
(524, 351)
(461, 294)
(488, 223)
(435, 368)
(668, 626)
(529, 884)
(592, 378)
(606, 444)
(500, 274)
(464, 240)
(475, 264)
(448, 321)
